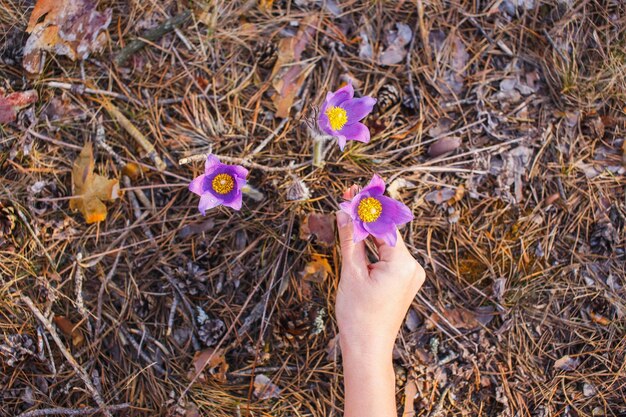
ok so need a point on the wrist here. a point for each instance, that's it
(366, 350)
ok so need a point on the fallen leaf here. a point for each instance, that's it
(412, 321)
(440, 196)
(398, 40)
(69, 329)
(73, 28)
(397, 185)
(266, 5)
(89, 189)
(463, 319)
(333, 349)
(196, 229)
(11, 104)
(63, 109)
(213, 361)
(264, 388)
(567, 363)
(410, 392)
(444, 145)
(322, 226)
(599, 318)
(288, 75)
(317, 270)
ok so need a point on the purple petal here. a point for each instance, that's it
(346, 207)
(376, 186)
(239, 171)
(382, 229)
(395, 211)
(358, 232)
(356, 131)
(344, 93)
(358, 108)
(211, 163)
(324, 124)
(341, 141)
(207, 202)
(234, 201)
(198, 185)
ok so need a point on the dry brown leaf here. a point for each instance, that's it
(599, 318)
(440, 196)
(464, 319)
(73, 28)
(287, 79)
(213, 361)
(89, 189)
(317, 270)
(322, 226)
(264, 388)
(69, 329)
(444, 145)
(567, 363)
(410, 392)
(11, 104)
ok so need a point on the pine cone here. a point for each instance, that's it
(144, 305)
(292, 327)
(12, 48)
(191, 278)
(388, 96)
(603, 237)
(265, 54)
(7, 222)
(17, 348)
(211, 331)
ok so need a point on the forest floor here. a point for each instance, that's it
(500, 124)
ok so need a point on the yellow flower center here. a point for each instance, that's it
(369, 209)
(223, 183)
(337, 117)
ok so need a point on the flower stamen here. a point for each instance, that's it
(337, 117)
(369, 209)
(223, 183)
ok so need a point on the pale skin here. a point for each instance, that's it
(372, 301)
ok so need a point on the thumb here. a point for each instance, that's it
(353, 253)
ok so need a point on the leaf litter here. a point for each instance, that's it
(91, 190)
(73, 28)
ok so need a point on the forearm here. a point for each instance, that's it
(369, 383)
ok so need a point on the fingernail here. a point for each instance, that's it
(342, 218)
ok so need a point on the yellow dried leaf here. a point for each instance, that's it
(317, 270)
(90, 190)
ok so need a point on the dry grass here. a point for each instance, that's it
(550, 265)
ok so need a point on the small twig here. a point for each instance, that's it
(172, 316)
(271, 136)
(77, 368)
(71, 411)
(80, 89)
(553, 45)
(78, 289)
(140, 352)
(241, 161)
(135, 133)
(151, 35)
(103, 287)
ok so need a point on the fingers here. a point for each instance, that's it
(353, 253)
(388, 253)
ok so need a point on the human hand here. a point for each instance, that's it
(373, 299)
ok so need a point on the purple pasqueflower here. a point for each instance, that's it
(374, 214)
(219, 185)
(340, 115)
